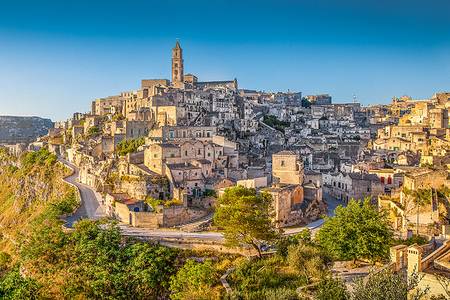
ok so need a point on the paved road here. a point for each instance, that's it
(217, 236)
(90, 207)
(315, 226)
(170, 233)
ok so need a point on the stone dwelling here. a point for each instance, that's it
(137, 213)
(294, 201)
(188, 164)
(432, 265)
(346, 186)
(401, 208)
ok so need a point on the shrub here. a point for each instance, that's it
(330, 288)
(308, 260)
(129, 146)
(193, 281)
(14, 287)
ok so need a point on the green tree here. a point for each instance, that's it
(147, 269)
(306, 103)
(358, 231)
(194, 281)
(246, 217)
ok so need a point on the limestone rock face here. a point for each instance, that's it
(22, 129)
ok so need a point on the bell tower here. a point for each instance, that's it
(177, 64)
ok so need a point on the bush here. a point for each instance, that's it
(383, 285)
(415, 239)
(267, 273)
(273, 122)
(129, 146)
(194, 281)
(14, 287)
(41, 157)
(67, 205)
(265, 294)
(330, 288)
(5, 259)
(284, 242)
(308, 261)
(93, 131)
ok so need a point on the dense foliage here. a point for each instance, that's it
(245, 217)
(129, 146)
(330, 288)
(273, 122)
(253, 278)
(358, 231)
(386, 285)
(41, 260)
(195, 281)
(93, 131)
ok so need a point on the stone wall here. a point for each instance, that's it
(146, 219)
(178, 215)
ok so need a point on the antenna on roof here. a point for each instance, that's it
(354, 98)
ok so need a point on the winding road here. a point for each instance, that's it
(90, 208)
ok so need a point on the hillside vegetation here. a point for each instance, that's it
(40, 259)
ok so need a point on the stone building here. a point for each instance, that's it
(430, 264)
(292, 206)
(189, 163)
(346, 186)
(287, 168)
(323, 99)
(177, 66)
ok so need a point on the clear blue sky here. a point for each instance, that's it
(56, 56)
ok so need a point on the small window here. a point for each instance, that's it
(282, 163)
(185, 153)
(199, 151)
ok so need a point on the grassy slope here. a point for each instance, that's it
(26, 194)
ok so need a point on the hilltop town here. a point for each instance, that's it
(159, 157)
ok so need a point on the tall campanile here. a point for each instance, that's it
(177, 64)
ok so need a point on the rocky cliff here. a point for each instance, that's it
(22, 129)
